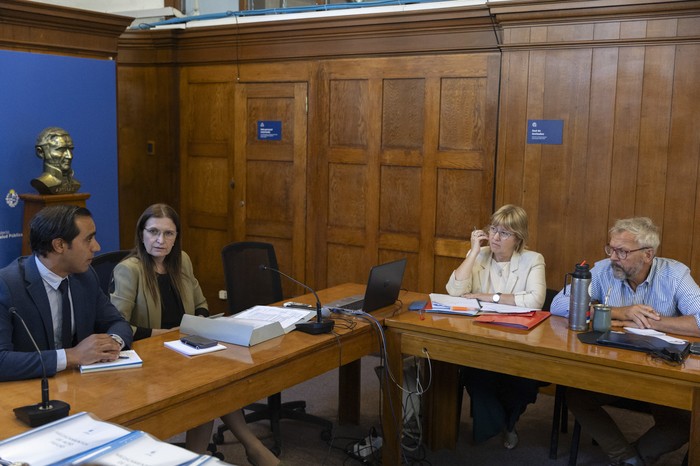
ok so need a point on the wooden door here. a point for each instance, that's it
(268, 202)
(206, 148)
(235, 185)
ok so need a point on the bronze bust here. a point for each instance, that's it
(55, 147)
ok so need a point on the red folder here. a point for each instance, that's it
(521, 321)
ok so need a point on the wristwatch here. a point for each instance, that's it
(496, 298)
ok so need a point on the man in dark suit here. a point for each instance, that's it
(58, 296)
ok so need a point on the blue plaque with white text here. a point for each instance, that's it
(545, 131)
(269, 130)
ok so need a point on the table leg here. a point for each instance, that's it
(442, 406)
(349, 384)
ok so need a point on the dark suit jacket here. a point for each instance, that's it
(22, 287)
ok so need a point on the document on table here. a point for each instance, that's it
(443, 303)
(60, 439)
(138, 449)
(287, 317)
(446, 304)
(505, 308)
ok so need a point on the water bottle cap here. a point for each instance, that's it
(582, 271)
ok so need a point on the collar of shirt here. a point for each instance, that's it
(53, 280)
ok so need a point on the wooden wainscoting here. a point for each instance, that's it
(627, 88)
(406, 150)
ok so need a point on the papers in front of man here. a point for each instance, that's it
(249, 327)
(127, 359)
(84, 439)
(446, 304)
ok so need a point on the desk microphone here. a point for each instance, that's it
(46, 411)
(314, 328)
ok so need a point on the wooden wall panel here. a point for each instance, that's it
(682, 216)
(419, 175)
(42, 28)
(403, 114)
(627, 148)
(147, 104)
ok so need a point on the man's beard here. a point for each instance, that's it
(619, 272)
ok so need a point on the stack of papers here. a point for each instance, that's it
(84, 439)
(446, 304)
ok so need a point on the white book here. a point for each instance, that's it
(249, 327)
(231, 330)
(127, 359)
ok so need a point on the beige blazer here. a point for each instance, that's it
(141, 309)
(526, 280)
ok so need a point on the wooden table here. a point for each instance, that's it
(549, 352)
(172, 393)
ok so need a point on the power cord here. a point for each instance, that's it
(389, 377)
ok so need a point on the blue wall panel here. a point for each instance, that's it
(78, 95)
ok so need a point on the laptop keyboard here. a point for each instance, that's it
(355, 305)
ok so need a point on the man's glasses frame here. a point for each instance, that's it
(621, 253)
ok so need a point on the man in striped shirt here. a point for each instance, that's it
(644, 291)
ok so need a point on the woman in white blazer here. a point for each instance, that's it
(499, 269)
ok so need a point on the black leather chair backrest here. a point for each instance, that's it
(247, 284)
(104, 265)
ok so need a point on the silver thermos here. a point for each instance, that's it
(580, 298)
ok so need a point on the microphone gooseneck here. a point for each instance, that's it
(45, 403)
(47, 410)
(320, 326)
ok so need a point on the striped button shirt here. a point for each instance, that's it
(668, 288)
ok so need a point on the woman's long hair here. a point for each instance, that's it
(172, 262)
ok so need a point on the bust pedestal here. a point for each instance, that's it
(33, 203)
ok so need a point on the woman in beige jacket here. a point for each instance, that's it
(153, 288)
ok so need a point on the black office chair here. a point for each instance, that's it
(104, 265)
(248, 285)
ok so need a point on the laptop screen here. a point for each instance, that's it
(383, 285)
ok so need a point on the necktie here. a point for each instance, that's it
(66, 328)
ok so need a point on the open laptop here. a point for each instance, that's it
(383, 288)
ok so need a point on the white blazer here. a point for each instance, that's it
(526, 280)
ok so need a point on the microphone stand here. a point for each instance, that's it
(48, 410)
(313, 328)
